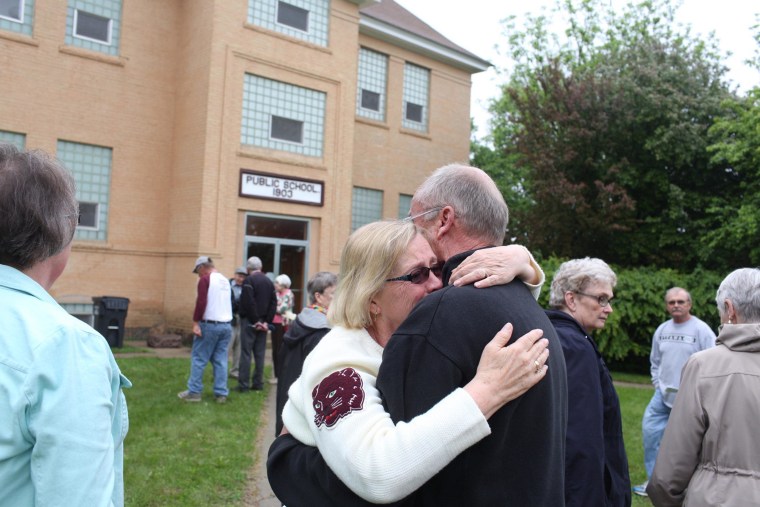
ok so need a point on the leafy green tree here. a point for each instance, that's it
(608, 127)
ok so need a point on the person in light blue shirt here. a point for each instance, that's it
(63, 416)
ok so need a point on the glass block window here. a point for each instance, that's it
(367, 206)
(282, 116)
(404, 203)
(94, 25)
(17, 16)
(19, 140)
(303, 19)
(370, 89)
(416, 87)
(91, 166)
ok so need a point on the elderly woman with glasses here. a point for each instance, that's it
(596, 467)
(710, 453)
(386, 268)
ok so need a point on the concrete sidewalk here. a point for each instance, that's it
(261, 494)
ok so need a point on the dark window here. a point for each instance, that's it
(276, 228)
(370, 100)
(11, 9)
(287, 129)
(93, 27)
(413, 112)
(88, 215)
(293, 16)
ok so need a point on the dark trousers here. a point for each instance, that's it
(253, 342)
(277, 334)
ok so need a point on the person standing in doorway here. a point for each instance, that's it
(282, 318)
(258, 302)
(211, 331)
(673, 343)
(236, 285)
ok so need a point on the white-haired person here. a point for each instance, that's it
(282, 317)
(710, 453)
(63, 416)
(386, 269)
(596, 466)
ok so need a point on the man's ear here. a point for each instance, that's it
(446, 219)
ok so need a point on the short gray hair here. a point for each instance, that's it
(576, 275)
(742, 287)
(677, 289)
(38, 206)
(253, 264)
(319, 283)
(477, 202)
(283, 280)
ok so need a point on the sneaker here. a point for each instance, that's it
(641, 489)
(188, 396)
(220, 399)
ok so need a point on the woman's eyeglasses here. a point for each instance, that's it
(418, 275)
(602, 300)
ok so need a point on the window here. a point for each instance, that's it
(413, 112)
(91, 166)
(282, 116)
(19, 140)
(307, 20)
(416, 86)
(373, 72)
(88, 215)
(17, 16)
(370, 100)
(404, 203)
(293, 16)
(94, 25)
(12, 9)
(287, 129)
(366, 207)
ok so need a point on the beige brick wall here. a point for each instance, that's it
(170, 108)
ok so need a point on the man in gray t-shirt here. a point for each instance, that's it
(673, 343)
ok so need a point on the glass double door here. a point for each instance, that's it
(283, 247)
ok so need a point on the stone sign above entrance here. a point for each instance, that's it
(271, 186)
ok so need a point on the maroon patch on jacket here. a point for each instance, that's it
(339, 394)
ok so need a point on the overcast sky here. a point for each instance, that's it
(475, 25)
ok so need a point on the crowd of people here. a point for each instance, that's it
(424, 373)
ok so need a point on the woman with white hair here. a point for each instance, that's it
(710, 453)
(282, 317)
(596, 466)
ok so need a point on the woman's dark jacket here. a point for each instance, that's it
(596, 466)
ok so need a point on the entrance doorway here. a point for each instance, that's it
(282, 244)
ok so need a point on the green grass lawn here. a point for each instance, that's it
(185, 454)
(198, 454)
(633, 401)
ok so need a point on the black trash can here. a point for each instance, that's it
(110, 314)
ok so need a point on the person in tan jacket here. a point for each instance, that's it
(710, 453)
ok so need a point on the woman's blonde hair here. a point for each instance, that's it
(368, 259)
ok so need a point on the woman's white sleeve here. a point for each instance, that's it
(383, 462)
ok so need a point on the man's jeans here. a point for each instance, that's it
(253, 342)
(652, 427)
(211, 346)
